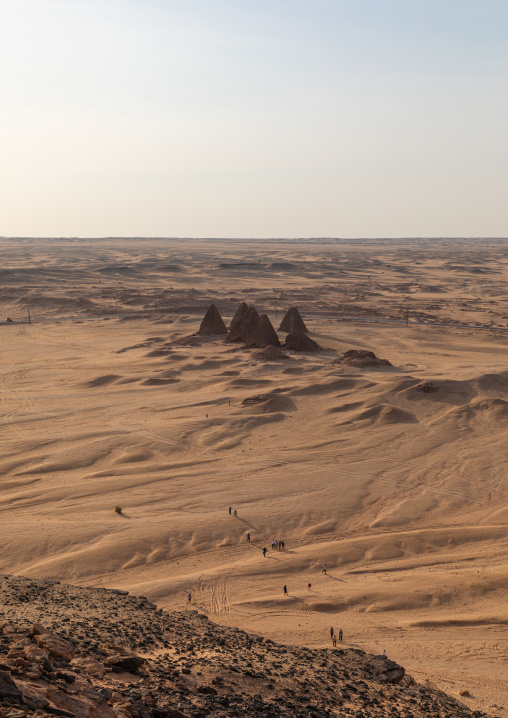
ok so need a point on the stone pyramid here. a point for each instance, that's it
(212, 322)
(262, 334)
(293, 322)
(239, 315)
(242, 323)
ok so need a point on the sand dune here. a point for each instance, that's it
(394, 477)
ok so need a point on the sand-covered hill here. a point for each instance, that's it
(95, 653)
(392, 475)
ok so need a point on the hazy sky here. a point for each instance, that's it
(245, 118)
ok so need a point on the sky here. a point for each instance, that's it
(254, 118)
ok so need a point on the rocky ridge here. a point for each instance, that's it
(101, 653)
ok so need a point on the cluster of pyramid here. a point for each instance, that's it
(256, 329)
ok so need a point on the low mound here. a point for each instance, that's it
(448, 391)
(271, 353)
(212, 322)
(269, 403)
(103, 380)
(299, 342)
(159, 353)
(383, 414)
(361, 358)
(292, 322)
(155, 381)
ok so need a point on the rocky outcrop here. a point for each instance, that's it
(212, 322)
(292, 322)
(262, 334)
(190, 667)
(361, 358)
(299, 342)
(53, 645)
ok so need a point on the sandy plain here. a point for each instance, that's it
(106, 399)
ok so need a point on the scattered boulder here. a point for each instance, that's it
(257, 399)
(300, 342)
(120, 663)
(212, 322)
(242, 323)
(271, 353)
(361, 358)
(56, 646)
(292, 322)
(8, 688)
(391, 672)
(262, 334)
(427, 387)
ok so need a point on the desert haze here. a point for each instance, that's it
(394, 476)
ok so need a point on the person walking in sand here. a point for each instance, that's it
(285, 590)
(230, 509)
(189, 597)
(331, 632)
(248, 538)
(324, 568)
(236, 514)
(309, 586)
(334, 641)
(264, 551)
(340, 634)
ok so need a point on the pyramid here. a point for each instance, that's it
(292, 322)
(212, 322)
(239, 315)
(262, 334)
(300, 342)
(242, 322)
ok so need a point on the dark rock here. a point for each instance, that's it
(130, 663)
(8, 689)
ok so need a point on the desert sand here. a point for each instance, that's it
(109, 399)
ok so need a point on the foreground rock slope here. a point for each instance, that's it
(100, 653)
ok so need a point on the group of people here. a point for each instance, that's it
(235, 512)
(277, 544)
(333, 636)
